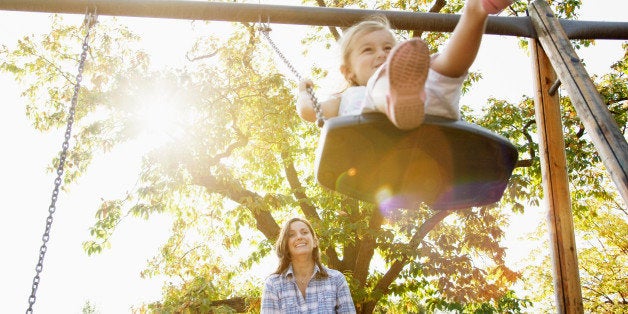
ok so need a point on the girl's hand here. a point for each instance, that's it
(305, 107)
(304, 84)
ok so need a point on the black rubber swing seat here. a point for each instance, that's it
(446, 164)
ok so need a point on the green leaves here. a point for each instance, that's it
(229, 160)
(108, 216)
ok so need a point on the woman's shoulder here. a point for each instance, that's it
(335, 277)
(274, 277)
(332, 273)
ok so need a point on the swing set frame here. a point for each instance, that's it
(554, 62)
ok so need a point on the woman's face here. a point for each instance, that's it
(300, 239)
(369, 51)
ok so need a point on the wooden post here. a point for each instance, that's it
(556, 185)
(592, 111)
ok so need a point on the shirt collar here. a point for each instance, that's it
(290, 272)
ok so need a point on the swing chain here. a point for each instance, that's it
(90, 20)
(320, 120)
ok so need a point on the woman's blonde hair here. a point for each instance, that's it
(283, 251)
(372, 24)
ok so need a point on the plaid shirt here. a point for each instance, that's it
(322, 295)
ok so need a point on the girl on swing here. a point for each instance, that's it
(402, 80)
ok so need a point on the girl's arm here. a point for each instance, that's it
(305, 107)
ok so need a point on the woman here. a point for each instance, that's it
(301, 284)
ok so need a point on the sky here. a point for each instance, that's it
(110, 281)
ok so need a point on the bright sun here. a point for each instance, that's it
(159, 119)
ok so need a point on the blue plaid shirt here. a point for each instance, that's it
(322, 295)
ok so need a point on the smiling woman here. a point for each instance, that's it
(301, 281)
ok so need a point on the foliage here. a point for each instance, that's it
(601, 236)
(89, 308)
(233, 161)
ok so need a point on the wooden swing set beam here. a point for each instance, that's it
(591, 108)
(302, 15)
(555, 58)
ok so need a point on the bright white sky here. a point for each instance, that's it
(111, 280)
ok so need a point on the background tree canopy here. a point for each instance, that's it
(232, 161)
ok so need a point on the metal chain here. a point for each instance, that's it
(90, 20)
(320, 120)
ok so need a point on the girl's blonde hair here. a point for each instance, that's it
(283, 252)
(375, 23)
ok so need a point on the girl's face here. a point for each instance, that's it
(369, 51)
(300, 239)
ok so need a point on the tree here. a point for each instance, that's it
(238, 161)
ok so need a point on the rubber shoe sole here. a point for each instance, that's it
(408, 65)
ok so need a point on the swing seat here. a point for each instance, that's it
(446, 164)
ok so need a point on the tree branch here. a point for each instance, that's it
(395, 269)
(527, 162)
(367, 247)
(436, 7)
(192, 59)
(233, 190)
(238, 304)
(350, 248)
(297, 188)
(332, 30)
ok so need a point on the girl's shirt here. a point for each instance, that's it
(352, 101)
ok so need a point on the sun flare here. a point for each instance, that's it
(159, 119)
